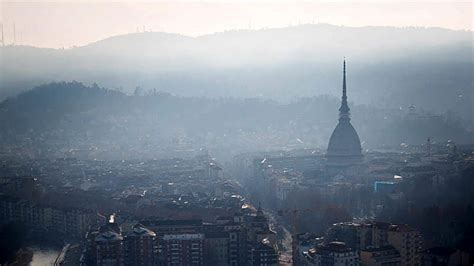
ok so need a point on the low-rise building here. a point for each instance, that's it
(332, 254)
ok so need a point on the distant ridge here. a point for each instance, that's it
(400, 64)
(137, 36)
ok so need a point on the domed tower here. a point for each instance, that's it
(344, 149)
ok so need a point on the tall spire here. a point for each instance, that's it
(344, 109)
(344, 96)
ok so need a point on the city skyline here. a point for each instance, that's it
(228, 132)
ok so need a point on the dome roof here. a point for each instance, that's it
(344, 141)
(344, 145)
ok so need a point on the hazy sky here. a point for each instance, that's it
(67, 23)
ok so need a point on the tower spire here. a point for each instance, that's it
(344, 109)
(344, 80)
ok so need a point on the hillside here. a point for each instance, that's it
(60, 118)
(396, 67)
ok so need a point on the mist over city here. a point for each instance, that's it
(237, 133)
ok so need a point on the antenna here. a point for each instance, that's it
(14, 34)
(3, 37)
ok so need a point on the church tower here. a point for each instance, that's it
(344, 149)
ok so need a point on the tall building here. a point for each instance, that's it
(344, 149)
(264, 254)
(180, 242)
(182, 249)
(381, 256)
(140, 246)
(108, 246)
(408, 242)
(216, 248)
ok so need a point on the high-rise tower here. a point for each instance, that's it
(344, 149)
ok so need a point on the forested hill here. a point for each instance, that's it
(387, 67)
(69, 116)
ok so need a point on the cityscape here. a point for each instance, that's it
(377, 171)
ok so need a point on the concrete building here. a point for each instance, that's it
(332, 254)
(69, 222)
(369, 235)
(408, 242)
(242, 239)
(140, 246)
(382, 256)
(108, 245)
(216, 248)
(182, 249)
(263, 254)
